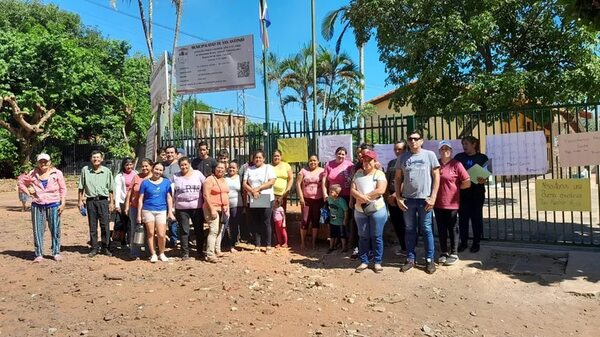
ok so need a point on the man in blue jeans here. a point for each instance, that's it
(417, 181)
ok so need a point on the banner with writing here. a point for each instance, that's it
(578, 149)
(522, 153)
(563, 195)
(385, 153)
(328, 145)
(293, 150)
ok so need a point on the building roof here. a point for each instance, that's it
(382, 98)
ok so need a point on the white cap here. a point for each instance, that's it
(444, 143)
(43, 156)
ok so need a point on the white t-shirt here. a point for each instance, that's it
(367, 184)
(257, 176)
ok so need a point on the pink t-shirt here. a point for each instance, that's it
(452, 175)
(129, 178)
(311, 183)
(340, 174)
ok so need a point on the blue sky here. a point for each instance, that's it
(217, 19)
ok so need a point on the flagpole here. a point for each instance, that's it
(314, 71)
(265, 49)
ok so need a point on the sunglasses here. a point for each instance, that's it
(414, 139)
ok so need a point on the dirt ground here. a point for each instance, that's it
(289, 293)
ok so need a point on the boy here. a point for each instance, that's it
(338, 218)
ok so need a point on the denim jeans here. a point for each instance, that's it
(39, 216)
(416, 214)
(370, 234)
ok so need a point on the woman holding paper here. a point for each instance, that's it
(453, 178)
(258, 183)
(472, 198)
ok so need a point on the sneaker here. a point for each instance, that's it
(462, 247)
(106, 252)
(163, 257)
(474, 248)
(407, 266)
(430, 268)
(38, 259)
(452, 259)
(212, 259)
(362, 267)
(377, 268)
(153, 258)
(57, 257)
(443, 258)
(185, 257)
(354, 255)
(93, 252)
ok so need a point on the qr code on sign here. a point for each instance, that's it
(243, 69)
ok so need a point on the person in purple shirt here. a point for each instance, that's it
(187, 185)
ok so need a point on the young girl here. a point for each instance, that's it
(23, 197)
(280, 225)
(338, 218)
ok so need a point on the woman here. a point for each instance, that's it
(131, 203)
(156, 203)
(340, 172)
(285, 177)
(368, 186)
(258, 183)
(123, 182)
(472, 198)
(47, 188)
(216, 210)
(453, 178)
(188, 201)
(310, 192)
(236, 203)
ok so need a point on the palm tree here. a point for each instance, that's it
(276, 69)
(327, 31)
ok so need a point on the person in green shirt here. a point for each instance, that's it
(96, 186)
(338, 218)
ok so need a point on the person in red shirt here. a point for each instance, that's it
(453, 178)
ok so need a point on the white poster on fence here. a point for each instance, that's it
(226, 64)
(385, 153)
(578, 149)
(523, 153)
(432, 145)
(328, 145)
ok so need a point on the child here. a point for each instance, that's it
(23, 197)
(280, 225)
(338, 218)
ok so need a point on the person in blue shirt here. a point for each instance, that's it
(156, 203)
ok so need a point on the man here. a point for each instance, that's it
(396, 214)
(171, 164)
(417, 181)
(96, 185)
(204, 163)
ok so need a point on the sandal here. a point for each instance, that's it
(362, 267)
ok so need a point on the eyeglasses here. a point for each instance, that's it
(414, 139)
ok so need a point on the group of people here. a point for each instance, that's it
(241, 205)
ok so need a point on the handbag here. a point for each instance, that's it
(263, 200)
(224, 217)
(369, 208)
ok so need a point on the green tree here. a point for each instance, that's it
(60, 80)
(276, 69)
(479, 55)
(186, 107)
(587, 11)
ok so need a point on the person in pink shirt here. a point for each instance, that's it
(48, 190)
(309, 186)
(280, 224)
(453, 178)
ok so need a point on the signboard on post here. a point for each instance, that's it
(151, 142)
(159, 83)
(215, 66)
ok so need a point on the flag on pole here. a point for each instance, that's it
(265, 22)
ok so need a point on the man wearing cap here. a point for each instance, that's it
(96, 186)
(417, 181)
(453, 178)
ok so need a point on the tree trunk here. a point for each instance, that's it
(147, 29)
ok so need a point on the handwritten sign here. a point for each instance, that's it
(563, 195)
(385, 153)
(578, 149)
(432, 145)
(328, 145)
(294, 150)
(518, 153)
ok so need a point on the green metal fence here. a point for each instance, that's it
(509, 212)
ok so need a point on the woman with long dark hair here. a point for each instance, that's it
(131, 203)
(123, 181)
